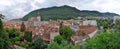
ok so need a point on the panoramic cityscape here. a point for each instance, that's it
(59, 24)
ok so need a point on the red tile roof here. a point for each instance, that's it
(83, 32)
(86, 30)
(44, 29)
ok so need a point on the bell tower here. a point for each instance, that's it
(38, 19)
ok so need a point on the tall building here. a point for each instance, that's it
(35, 21)
(88, 22)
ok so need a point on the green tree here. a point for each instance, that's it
(105, 40)
(13, 34)
(21, 37)
(117, 25)
(1, 25)
(4, 42)
(66, 32)
(38, 43)
(1, 16)
(105, 24)
(28, 35)
(70, 46)
(23, 28)
(58, 39)
(54, 45)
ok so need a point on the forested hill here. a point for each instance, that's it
(64, 12)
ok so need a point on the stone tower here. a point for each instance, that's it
(38, 17)
(35, 21)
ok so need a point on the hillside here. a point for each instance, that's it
(64, 12)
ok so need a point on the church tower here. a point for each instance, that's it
(35, 21)
(38, 19)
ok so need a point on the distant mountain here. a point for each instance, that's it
(17, 19)
(64, 12)
(109, 14)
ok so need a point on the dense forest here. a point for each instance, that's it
(64, 12)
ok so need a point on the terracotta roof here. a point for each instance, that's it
(45, 29)
(33, 19)
(86, 30)
(46, 37)
(83, 32)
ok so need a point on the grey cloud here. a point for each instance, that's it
(19, 8)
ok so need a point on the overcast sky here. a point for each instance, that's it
(18, 8)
